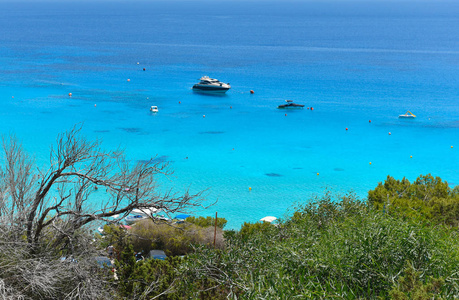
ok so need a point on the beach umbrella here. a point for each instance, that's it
(182, 216)
(268, 219)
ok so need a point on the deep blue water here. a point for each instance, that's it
(351, 61)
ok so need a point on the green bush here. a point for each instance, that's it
(427, 199)
(207, 221)
(177, 239)
(331, 248)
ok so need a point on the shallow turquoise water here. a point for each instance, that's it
(351, 62)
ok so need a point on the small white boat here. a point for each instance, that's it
(407, 115)
(154, 108)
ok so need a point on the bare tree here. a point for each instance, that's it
(44, 212)
(59, 197)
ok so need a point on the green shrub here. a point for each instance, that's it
(427, 199)
(331, 248)
(207, 221)
(411, 286)
(177, 239)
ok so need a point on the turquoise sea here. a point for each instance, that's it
(352, 61)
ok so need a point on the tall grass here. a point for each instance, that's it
(328, 249)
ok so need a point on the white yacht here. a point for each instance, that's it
(207, 84)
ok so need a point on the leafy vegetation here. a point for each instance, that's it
(328, 249)
(400, 244)
(427, 199)
(207, 221)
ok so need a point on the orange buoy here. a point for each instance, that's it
(390, 133)
(370, 162)
(231, 107)
(95, 105)
(129, 80)
(346, 128)
(250, 188)
(369, 121)
(179, 102)
(252, 92)
(285, 114)
(317, 174)
(411, 156)
(308, 107)
(312, 108)
(144, 69)
(70, 94)
(203, 116)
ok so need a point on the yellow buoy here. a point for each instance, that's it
(250, 188)
(451, 146)
(370, 162)
(317, 174)
(411, 156)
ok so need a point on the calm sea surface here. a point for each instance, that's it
(351, 61)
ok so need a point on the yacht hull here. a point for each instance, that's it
(211, 89)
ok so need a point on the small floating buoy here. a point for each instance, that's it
(390, 133)
(233, 149)
(95, 105)
(370, 162)
(411, 156)
(369, 121)
(451, 147)
(129, 80)
(252, 92)
(308, 107)
(231, 107)
(285, 114)
(346, 128)
(203, 116)
(12, 97)
(317, 174)
(70, 94)
(250, 188)
(137, 62)
(144, 69)
(179, 102)
(312, 108)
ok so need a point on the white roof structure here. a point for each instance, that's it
(268, 219)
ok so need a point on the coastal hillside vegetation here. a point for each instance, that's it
(400, 243)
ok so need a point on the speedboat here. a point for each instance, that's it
(407, 115)
(154, 108)
(290, 104)
(207, 84)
